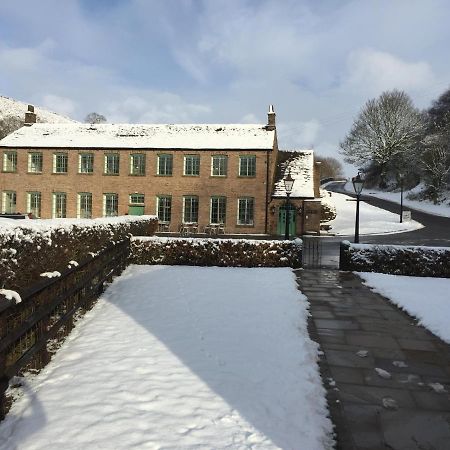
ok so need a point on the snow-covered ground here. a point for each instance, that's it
(426, 299)
(372, 220)
(181, 358)
(425, 206)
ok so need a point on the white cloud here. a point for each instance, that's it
(58, 104)
(299, 134)
(372, 72)
(147, 106)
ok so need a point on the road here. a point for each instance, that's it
(436, 231)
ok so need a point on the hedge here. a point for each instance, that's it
(216, 252)
(396, 259)
(29, 248)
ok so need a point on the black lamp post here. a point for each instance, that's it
(358, 184)
(401, 176)
(288, 184)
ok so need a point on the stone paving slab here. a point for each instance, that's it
(387, 379)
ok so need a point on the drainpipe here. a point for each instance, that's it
(267, 193)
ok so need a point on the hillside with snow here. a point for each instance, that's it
(12, 115)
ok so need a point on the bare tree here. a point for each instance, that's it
(386, 133)
(94, 117)
(436, 147)
(330, 167)
(9, 124)
(436, 160)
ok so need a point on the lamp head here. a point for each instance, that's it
(288, 183)
(358, 184)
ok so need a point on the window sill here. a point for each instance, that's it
(218, 176)
(246, 176)
(136, 174)
(111, 174)
(85, 173)
(163, 175)
(187, 175)
(241, 225)
(34, 173)
(59, 173)
(9, 171)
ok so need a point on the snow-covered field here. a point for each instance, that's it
(427, 299)
(425, 206)
(181, 358)
(372, 220)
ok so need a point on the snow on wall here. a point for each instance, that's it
(14, 108)
(29, 248)
(201, 136)
(301, 167)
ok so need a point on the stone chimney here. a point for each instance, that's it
(30, 116)
(271, 119)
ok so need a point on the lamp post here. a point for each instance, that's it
(288, 184)
(401, 176)
(358, 184)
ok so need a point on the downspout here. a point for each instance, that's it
(267, 193)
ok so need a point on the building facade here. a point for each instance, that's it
(204, 177)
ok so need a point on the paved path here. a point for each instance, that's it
(360, 331)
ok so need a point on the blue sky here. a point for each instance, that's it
(224, 61)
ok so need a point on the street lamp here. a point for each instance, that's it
(401, 176)
(358, 184)
(288, 185)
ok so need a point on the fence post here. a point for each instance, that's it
(344, 256)
(4, 382)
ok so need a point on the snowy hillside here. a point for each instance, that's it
(14, 108)
(12, 116)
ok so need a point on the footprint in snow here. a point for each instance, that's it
(383, 373)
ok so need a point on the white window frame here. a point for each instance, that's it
(167, 210)
(110, 200)
(84, 205)
(249, 168)
(191, 166)
(248, 213)
(59, 205)
(86, 166)
(34, 203)
(115, 159)
(137, 169)
(132, 201)
(10, 161)
(165, 169)
(9, 202)
(32, 166)
(63, 168)
(222, 167)
(188, 209)
(221, 203)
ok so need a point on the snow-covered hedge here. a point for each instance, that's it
(216, 252)
(327, 207)
(29, 248)
(396, 259)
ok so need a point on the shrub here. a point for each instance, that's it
(216, 252)
(396, 259)
(31, 247)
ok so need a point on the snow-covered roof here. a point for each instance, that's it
(142, 136)
(15, 108)
(301, 166)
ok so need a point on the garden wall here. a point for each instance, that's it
(29, 248)
(396, 259)
(216, 252)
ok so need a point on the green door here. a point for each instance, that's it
(281, 227)
(134, 210)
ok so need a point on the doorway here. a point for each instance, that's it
(281, 226)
